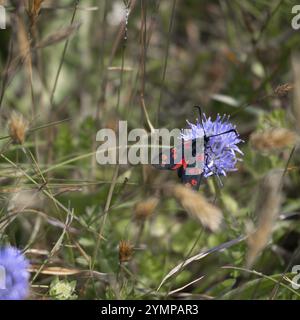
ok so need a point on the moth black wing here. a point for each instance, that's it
(192, 173)
(168, 159)
(186, 159)
(192, 177)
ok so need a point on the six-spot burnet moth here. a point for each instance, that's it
(195, 157)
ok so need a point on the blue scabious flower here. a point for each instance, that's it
(220, 151)
(14, 277)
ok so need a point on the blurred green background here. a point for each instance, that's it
(74, 67)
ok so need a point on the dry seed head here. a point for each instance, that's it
(33, 9)
(145, 209)
(17, 127)
(267, 209)
(273, 139)
(21, 200)
(125, 251)
(283, 89)
(196, 205)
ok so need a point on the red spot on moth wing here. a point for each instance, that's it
(193, 182)
(177, 166)
(194, 171)
(187, 144)
(182, 163)
(200, 157)
(190, 171)
(173, 153)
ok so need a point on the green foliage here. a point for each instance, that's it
(63, 142)
(62, 290)
(227, 56)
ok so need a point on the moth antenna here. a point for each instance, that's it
(201, 118)
(220, 134)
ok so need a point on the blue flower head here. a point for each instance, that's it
(14, 284)
(220, 151)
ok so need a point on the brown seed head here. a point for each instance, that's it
(196, 205)
(272, 139)
(18, 127)
(33, 10)
(125, 251)
(283, 89)
(267, 209)
(145, 209)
